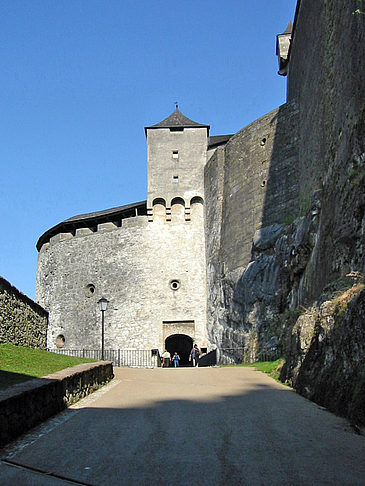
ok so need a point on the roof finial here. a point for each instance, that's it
(176, 104)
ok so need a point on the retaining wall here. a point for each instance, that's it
(25, 405)
(22, 321)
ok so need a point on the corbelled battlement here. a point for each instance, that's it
(175, 210)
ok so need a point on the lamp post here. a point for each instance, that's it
(102, 303)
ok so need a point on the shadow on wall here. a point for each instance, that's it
(25, 401)
(280, 177)
(8, 379)
(266, 200)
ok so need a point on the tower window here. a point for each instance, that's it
(175, 179)
(175, 284)
(176, 130)
(175, 154)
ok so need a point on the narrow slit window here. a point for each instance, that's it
(175, 179)
(175, 154)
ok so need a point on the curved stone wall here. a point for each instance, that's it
(132, 266)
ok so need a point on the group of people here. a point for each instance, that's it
(193, 357)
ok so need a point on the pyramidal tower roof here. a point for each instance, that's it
(177, 120)
(289, 29)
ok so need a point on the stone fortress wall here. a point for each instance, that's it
(327, 78)
(149, 264)
(22, 321)
(284, 221)
(135, 267)
(251, 184)
(260, 187)
(305, 159)
(286, 266)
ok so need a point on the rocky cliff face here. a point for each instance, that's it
(285, 271)
(326, 348)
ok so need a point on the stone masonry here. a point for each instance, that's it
(240, 234)
(149, 264)
(22, 321)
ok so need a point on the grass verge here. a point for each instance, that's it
(18, 364)
(272, 368)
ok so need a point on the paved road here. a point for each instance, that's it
(206, 426)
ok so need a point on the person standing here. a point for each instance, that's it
(176, 359)
(166, 356)
(195, 353)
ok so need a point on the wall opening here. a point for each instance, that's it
(89, 290)
(182, 344)
(159, 210)
(175, 284)
(177, 209)
(60, 341)
(197, 210)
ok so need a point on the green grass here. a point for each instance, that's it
(272, 368)
(18, 364)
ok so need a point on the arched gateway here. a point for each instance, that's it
(182, 344)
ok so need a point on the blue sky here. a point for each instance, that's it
(81, 78)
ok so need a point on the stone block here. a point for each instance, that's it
(105, 227)
(83, 231)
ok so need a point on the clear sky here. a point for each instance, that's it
(81, 78)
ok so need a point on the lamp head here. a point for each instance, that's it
(103, 304)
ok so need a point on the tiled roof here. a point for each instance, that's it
(93, 219)
(177, 120)
(289, 29)
(218, 140)
(105, 212)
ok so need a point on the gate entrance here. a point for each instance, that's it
(182, 344)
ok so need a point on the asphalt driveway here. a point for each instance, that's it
(207, 426)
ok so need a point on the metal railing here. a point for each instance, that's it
(148, 358)
(134, 358)
(243, 355)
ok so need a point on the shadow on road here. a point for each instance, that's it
(265, 435)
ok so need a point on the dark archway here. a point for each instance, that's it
(182, 344)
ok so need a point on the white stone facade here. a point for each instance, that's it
(150, 267)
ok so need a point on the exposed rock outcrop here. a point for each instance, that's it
(308, 231)
(326, 351)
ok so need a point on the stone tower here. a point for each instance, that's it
(146, 258)
(176, 156)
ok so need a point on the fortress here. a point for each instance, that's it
(147, 258)
(239, 232)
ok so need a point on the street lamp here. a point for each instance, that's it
(103, 304)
